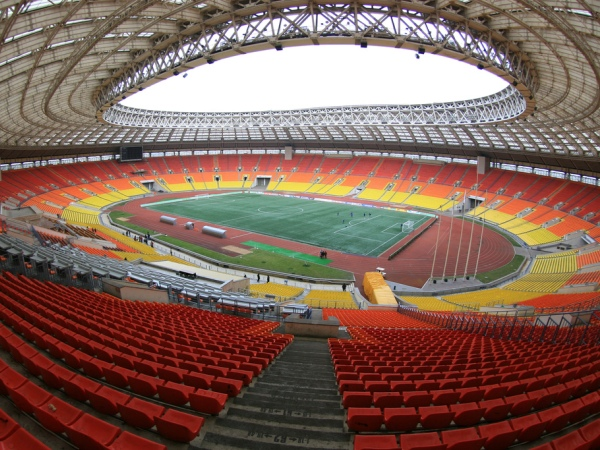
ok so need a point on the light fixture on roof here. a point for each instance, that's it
(278, 46)
(185, 75)
(209, 60)
(363, 44)
(421, 50)
(515, 83)
(176, 72)
(480, 66)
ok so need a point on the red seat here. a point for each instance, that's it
(92, 433)
(352, 399)
(543, 398)
(144, 384)
(380, 442)
(417, 398)
(129, 441)
(227, 386)
(198, 380)
(591, 433)
(401, 419)
(556, 417)
(238, 374)
(36, 362)
(577, 409)
(364, 419)
(94, 367)
(140, 413)
(421, 441)
(174, 393)
(73, 358)
(117, 376)
(495, 410)
(215, 370)
(105, 400)
(463, 439)
(402, 386)
(521, 404)
(28, 395)
(571, 441)
(530, 427)
(498, 436)
(562, 392)
(435, 417)
(55, 415)
(55, 375)
(174, 374)
(208, 402)
(494, 391)
(445, 397)
(78, 386)
(21, 438)
(467, 414)
(388, 400)
(178, 426)
(147, 367)
(7, 425)
(126, 361)
(351, 385)
(468, 395)
(10, 379)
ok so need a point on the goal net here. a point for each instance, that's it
(408, 226)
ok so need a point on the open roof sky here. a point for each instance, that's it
(318, 76)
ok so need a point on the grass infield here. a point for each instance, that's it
(344, 227)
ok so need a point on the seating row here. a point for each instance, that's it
(12, 435)
(32, 399)
(495, 436)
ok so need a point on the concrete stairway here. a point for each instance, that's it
(293, 404)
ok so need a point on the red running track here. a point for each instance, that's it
(450, 247)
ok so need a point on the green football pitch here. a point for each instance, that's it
(337, 226)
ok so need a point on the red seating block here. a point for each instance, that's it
(364, 419)
(401, 419)
(591, 433)
(178, 426)
(577, 409)
(147, 367)
(140, 413)
(462, 439)
(94, 367)
(208, 402)
(571, 441)
(37, 361)
(92, 433)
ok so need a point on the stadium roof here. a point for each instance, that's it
(65, 65)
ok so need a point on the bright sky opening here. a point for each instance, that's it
(318, 76)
